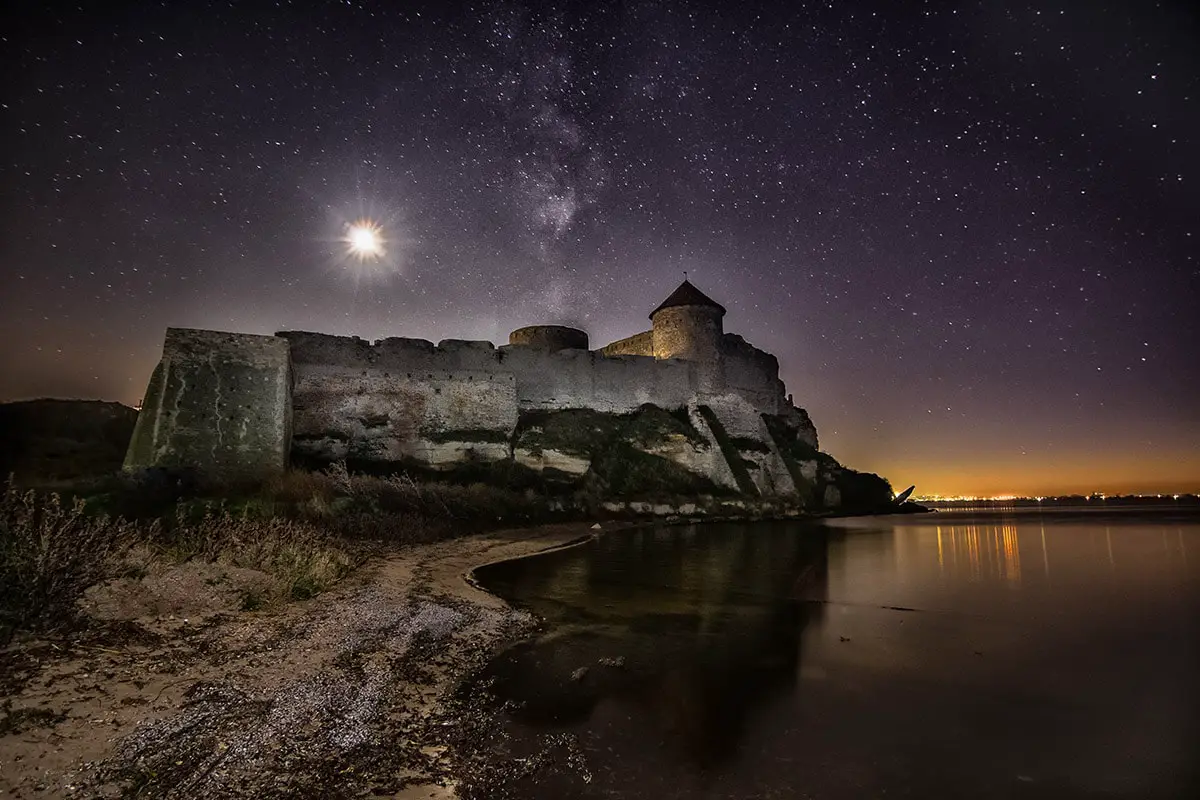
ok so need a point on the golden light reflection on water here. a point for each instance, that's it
(988, 551)
(1055, 558)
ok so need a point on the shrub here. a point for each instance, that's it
(651, 425)
(479, 435)
(303, 559)
(864, 491)
(747, 445)
(299, 486)
(50, 552)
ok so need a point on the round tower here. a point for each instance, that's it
(689, 325)
(550, 337)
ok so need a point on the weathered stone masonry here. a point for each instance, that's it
(236, 403)
(216, 401)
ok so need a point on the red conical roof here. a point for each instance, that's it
(687, 295)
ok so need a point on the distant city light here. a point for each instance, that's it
(1010, 498)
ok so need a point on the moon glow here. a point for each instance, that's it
(364, 240)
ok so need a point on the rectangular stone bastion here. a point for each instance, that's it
(218, 403)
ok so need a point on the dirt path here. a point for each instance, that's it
(348, 694)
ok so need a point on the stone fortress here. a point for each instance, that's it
(682, 407)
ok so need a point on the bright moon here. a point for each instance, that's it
(364, 240)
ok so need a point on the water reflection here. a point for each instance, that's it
(690, 629)
(955, 655)
(991, 551)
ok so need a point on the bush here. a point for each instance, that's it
(304, 529)
(747, 445)
(864, 491)
(50, 553)
(651, 425)
(575, 431)
(303, 559)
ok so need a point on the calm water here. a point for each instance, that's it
(945, 655)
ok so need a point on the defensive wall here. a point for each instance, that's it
(216, 401)
(736, 366)
(238, 403)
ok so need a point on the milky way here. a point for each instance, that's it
(966, 229)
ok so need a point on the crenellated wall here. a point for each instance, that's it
(235, 403)
(549, 337)
(640, 344)
(399, 399)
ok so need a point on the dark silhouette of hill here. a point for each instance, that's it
(49, 440)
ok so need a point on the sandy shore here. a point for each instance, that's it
(352, 693)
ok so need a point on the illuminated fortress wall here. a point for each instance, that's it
(216, 402)
(235, 403)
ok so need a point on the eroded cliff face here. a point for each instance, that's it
(725, 450)
(651, 454)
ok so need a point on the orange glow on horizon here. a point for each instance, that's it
(1122, 474)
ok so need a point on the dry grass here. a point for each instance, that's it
(412, 510)
(302, 558)
(305, 530)
(50, 552)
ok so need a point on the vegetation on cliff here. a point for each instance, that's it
(615, 448)
(574, 431)
(296, 534)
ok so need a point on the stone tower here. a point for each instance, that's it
(689, 325)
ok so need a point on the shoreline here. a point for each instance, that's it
(309, 698)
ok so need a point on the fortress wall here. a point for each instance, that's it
(548, 380)
(389, 415)
(550, 337)
(396, 353)
(752, 374)
(399, 399)
(467, 354)
(640, 344)
(582, 379)
(627, 382)
(217, 402)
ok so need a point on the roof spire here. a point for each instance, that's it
(687, 295)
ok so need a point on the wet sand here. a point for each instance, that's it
(351, 693)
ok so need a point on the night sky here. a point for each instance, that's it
(967, 230)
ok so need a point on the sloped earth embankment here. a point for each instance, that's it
(350, 694)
